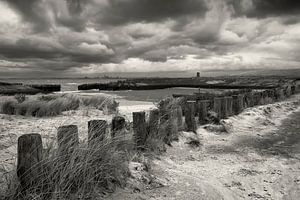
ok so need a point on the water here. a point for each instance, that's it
(67, 84)
(71, 85)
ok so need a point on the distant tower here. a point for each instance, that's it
(198, 76)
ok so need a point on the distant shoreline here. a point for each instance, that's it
(185, 73)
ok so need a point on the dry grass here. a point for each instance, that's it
(167, 125)
(87, 172)
(52, 105)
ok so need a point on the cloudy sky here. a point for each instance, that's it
(40, 38)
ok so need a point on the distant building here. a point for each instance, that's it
(198, 74)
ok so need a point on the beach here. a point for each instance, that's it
(257, 159)
(13, 126)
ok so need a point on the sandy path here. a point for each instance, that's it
(257, 159)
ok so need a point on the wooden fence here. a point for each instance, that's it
(167, 122)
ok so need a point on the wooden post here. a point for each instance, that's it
(30, 153)
(203, 109)
(238, 102)
(190, 116)
(256, 98)
(279, 94)
(224, 113)
(96, 131)
(261, 98)
(183, 106)
(117, 125)
(153, 123)
(297, 88)
(249, 99)
(288, 90)
(264, 97)
(235, 103)
(173, 125)
(139, 129)
(293, 89)
(179, 118)
(67, 139)
(276, 96)
(229, 106)
(217, 106)
(241, 98)
(271, 94)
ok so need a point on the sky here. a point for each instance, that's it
(57, 38)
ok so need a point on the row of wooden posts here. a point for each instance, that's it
(30, 147)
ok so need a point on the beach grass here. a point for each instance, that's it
(88, 171)
(55, 104)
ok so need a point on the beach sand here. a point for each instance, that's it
(257, 159)
(13, 126)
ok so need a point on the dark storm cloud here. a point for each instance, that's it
(32, 11)
(44, 53)
(75, 6)
(61, 35)
(42, 13)
(125, 11)
(75, 20)
(265, 8)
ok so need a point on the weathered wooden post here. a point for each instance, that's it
(276, 97)
(224, 113)
(293, 89)
(217, 106)
(29, 168)
(256, 98)
(241, 101)
(179, 118)
(288, 90)
(229, 106)
(96, 131)
(238, 102)
(249, 99)
(235, 103)
(139, 129)
(264, 97)
(190, 116)
(183, 106)
(173, 125)
(67, 139)
(203, 110)
(279, 94)
(117, 125)
(259, 98)
(153, 122)
(297, 88)
(271, 95)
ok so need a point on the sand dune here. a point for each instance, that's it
(232, 165)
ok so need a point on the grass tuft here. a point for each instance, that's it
(52, 105)
(88, 172)
(8, 106)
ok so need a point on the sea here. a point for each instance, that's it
(70, 85)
